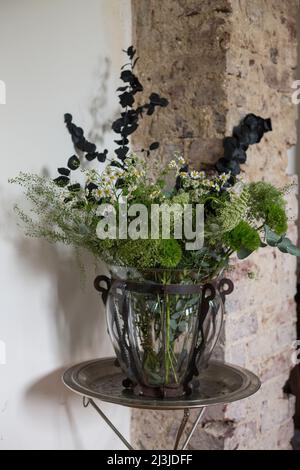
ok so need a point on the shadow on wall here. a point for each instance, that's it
(78, 314)
(50, 389)
(77, 328)
(100, 127)
(78, 324)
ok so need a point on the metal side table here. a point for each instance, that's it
(101, 379)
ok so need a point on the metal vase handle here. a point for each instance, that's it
(100, 288)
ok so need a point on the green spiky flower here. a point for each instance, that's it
(276, 219)
(268, 204)
(169, 253)
(243, 236)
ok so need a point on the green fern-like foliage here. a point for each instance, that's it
(231, 212)
(54, 220)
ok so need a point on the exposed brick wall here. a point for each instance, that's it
(216, 61)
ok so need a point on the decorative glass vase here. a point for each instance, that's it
(163, 325)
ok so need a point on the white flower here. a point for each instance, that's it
(197, 174)
(181, 161)
(111, 178)
(195, 184)
(224, 177)
(173, 165)
(98, 193)
(107, 192)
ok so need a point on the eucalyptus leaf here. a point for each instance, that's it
(182, 326)
(284, 244)
(173, 324)
(293, 250)
(272, 238)
(244, 253)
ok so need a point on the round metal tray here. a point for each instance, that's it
(219, 383)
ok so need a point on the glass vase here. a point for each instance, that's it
(163, 326)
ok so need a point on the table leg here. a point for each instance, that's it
(197, 421)
(186, 415)
(89, 401)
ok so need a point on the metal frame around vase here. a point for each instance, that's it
(209, 291)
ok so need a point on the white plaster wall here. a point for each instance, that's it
(54, 56)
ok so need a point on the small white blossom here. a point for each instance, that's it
(98, 193)
(194, 174)
(173, 165)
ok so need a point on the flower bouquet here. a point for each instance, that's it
(167, 233)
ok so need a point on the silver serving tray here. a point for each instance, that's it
(219, 383)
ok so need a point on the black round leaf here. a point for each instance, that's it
(268, 125)
(117, 164)
(126, 76)
(119, 183)
(62, 181)
(68, 118)
(131, 52)
(129, 129)
(252, 121)
(73, 188)
(73, 162)
(178, 184)
(102, 156)
(126, 99)
(242, 133)
(154, 98)
(80, 144)
(150, 110)
(91, 186)
(67, 199)
(240, 155)
(154, 146)
(221, 166)
(63, 171)
(233, 151)
(122, 141)
(78, 131)
(89, 147)
(117, 125)
(136, 85)
(121, 152)
(122, 88)
(79, 205)
(233, 167)
(91, 156)
(184, 168)
(230, 144)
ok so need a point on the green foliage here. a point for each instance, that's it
(141, 254)
(276, 218)
(169, 253)
(243, 236)
(230, 211)
(147, 254)
(234, 216)
(54, 220)
(267, 204)
(283, 243)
